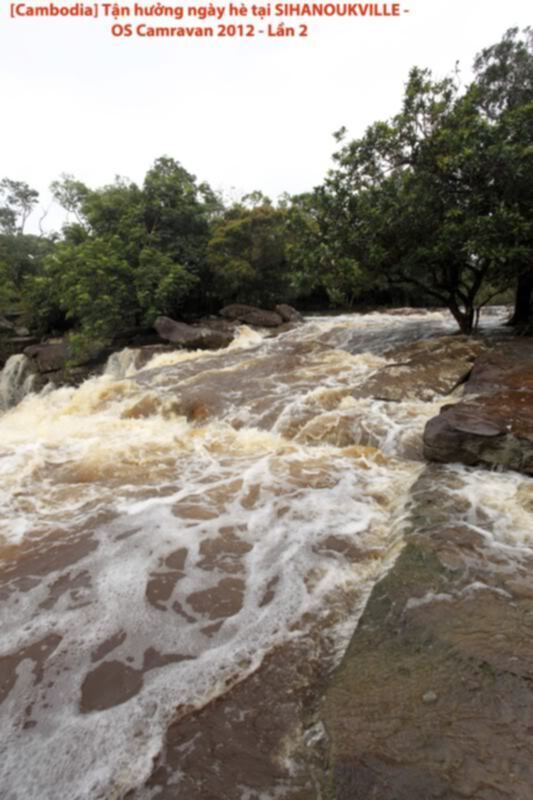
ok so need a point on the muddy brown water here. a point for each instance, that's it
(184, 554)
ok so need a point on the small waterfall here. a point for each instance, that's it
(17, 379)
(121, 364)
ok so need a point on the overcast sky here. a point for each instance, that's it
(249, 114)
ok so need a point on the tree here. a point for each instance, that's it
(321, 262)
(162, 285)
(70, 194)
(248, 256)
(428, 200)
(21, 255)
(19, 199)
(504, 93)
(177, 213)
(133, 253)
(90, 283)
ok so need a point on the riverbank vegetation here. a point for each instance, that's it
(431, 207)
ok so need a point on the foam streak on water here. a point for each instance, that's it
(163, 530)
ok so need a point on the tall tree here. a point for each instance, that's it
(163, 229)
(18, 201)
(248, 255)
(428, 199)
(504, 93)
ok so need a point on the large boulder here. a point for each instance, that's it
(252, 315)
(50, 362)
(288, 313)
(192, 336)
(55, 363)
(493, 424)
(48, 357)
(493, 431)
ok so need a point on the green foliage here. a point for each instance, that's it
(132, 253)
(161, 285)
(434, 204)
(18, 201)
(248, 256)
(21, 258)
(70, 194)
(177, 212)
(91, 284)
(439, 197)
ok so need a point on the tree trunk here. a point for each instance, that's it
(465, 319)
(522, 306)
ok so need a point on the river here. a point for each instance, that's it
(185, 549)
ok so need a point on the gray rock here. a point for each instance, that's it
(423, 370)
(433, 697)
(252, 315)
(191, 336)
(288, 313)
(48, 357)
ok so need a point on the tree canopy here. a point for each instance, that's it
(433, 206)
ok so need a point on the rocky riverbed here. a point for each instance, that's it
(233, 574)
(434, 695)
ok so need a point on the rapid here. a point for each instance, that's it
(185, 548)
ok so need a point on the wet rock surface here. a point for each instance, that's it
(200, 539)
(288, 313)
(493, 425)
(253, 316)
(191, 336)
(48, 357)
(424, 370)
(260, 732)
(433, 698)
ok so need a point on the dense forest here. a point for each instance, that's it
(431, 207)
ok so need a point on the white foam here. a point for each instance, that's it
(17, 379)
(310, 523)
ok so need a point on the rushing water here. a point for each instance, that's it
(167, 531)
(17, 379)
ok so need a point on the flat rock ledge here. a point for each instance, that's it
(493, 425)
(424, 370)
(434, 696)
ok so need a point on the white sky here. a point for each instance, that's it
(250, 114)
